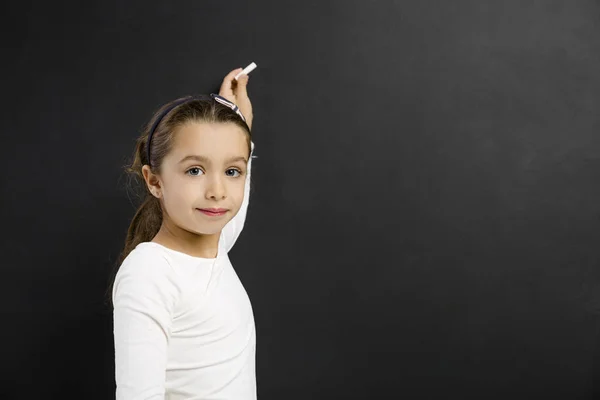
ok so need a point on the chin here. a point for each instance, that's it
(207, 230)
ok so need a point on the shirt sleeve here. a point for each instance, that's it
(144, 296)
(233, 228)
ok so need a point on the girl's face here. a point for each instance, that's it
(205, 169)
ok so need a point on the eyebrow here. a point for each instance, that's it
(207, 160)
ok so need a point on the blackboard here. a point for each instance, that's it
(425, 205)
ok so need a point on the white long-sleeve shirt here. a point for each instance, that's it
(183, 325)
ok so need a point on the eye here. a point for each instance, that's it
(232, 172)
(195, 171)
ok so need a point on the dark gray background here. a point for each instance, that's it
(426, 201)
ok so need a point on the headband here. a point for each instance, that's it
(216, 97)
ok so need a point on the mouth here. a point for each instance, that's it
(213, 212)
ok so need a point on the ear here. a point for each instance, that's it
(152, 181)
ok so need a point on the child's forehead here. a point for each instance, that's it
(214, 140)
(209, 130)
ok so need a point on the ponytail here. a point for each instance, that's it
(144, 225)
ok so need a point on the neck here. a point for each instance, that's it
(193, 244)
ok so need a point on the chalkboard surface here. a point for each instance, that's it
(425, 210)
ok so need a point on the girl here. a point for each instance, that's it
(183, 323)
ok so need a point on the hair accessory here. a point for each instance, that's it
(216, 97)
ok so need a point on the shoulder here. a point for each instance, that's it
(145, 286)
(147, 269)
(146, 260)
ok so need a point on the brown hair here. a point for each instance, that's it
(148, 218)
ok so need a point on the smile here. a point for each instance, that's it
(213, 212)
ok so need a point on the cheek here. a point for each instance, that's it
(179, 191)
(237, 192)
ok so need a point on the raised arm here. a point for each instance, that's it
(234, 228)
(144, 296)
(236, 92)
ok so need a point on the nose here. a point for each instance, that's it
(215, 188)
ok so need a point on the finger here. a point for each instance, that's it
(226, 89)
(241, 88)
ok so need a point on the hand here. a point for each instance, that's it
(235, 91)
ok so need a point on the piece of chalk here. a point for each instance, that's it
(246, 70)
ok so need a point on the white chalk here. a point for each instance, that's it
(246, 70)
